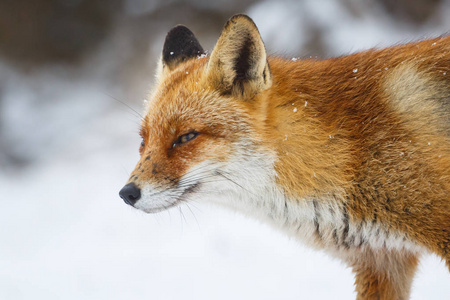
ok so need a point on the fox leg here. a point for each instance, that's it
(384, 275)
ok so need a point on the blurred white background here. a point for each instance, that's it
(67, 147)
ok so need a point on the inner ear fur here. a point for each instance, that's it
(238, 64)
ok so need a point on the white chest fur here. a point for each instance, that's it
(322, 223)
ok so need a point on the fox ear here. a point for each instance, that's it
(238, 64)
(180, 45)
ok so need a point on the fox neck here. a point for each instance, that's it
(282, 184)
(321, 222)
(311, 154)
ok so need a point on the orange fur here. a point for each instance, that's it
(352, 135)
(367, 135)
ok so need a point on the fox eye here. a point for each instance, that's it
(182, 139)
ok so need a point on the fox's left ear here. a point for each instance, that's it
(179, 46)
(238, 64)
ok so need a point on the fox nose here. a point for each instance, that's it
(130, 193)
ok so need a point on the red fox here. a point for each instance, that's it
(349, 154)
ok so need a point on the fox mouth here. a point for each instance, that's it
(189, 190)
(171, 203)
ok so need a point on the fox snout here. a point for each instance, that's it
(130, 193)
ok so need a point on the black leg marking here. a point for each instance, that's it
(350, 242)
(336, 238)
(362, 241)
(346, 228)
(360, 234)
(386, 235)
(316, 219)
(286, 211)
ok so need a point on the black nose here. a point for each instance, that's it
(130, 193)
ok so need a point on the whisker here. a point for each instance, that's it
(221, 174)
(194, 180)
(192, 172)
(156, 217)
(195, 218)
(123, 103)
(125, 170)
(192, 176)
(190, 182)
(182, 217)
(203, 181)
(132, 120)
(170, 215)
(193, 202)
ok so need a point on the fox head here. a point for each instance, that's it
(200, 127)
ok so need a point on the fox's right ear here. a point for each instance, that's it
(238, 64)
(179, 46)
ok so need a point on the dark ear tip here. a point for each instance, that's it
(240, 18)
(178, 30)
(180, 44)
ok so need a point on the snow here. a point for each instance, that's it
(343, 32)
(66, 234)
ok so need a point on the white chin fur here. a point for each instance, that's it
(240, 183)
(153, 200)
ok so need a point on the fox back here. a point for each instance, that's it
(349, 154)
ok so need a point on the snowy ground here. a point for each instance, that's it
(65, 233)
